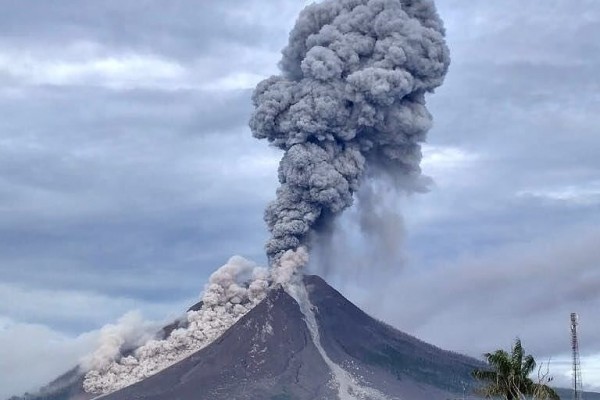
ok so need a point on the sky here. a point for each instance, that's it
(128, 174)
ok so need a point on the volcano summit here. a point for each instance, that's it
(271, 353)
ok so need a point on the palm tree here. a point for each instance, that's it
(508, 376)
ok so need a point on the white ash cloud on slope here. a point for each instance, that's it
(350, 102)
(130, 331)
(232, 291)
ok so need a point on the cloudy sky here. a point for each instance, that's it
(128, 174)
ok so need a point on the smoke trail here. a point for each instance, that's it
(351, 98)
(232, 291)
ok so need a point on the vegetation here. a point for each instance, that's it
(508, 376)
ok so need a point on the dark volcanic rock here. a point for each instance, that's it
(384, 356)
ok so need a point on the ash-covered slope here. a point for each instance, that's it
(270, 354)
(267, 354)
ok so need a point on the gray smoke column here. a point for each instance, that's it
(350, 103)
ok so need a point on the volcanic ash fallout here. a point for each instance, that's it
(350, 103)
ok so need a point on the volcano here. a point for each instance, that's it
(271, 353)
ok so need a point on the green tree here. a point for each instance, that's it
(508, 376)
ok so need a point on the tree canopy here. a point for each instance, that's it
(508, 376)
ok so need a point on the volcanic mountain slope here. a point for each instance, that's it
(266, 354)
(353, 338)
(270, 354)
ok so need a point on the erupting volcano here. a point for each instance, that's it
(348, 108)
(276, 352)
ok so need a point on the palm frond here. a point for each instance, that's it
(500, 360)
(517, 355)
(528, 365)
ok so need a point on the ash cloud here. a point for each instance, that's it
(350, 101)
(131, 331)
(232, 291)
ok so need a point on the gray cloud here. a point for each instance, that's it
(22, 344)
(483, 299)
(180, 29)
(123, 183)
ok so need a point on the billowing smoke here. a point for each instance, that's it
(232, 291)
(130, 331)
(350, 101)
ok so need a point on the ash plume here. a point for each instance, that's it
(350, 101)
